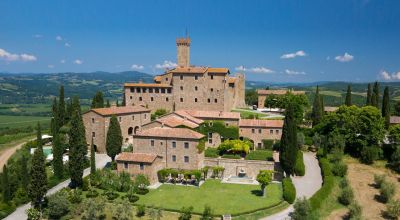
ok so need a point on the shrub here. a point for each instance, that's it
(234, 146)
(231, 156)
(322, 193)
(201, 146)
(141, 191)
(336, 155)
(289, 191)
(339, 169)
(259, 155)
(207, 213)
(379, 179)
(277, 145)
(268, 144)
(387, 191)
(140, 210)
(111, 195)
(211, 152)
(393, 209)
(343, 183)
(346, 196)
(58, 205)
(186, 213)
(92, 193)
(302, 209)
(299, 168)
(6, 209)
(33, 214)
(325, 167)
(75, 196)
(141, 181)
(369, 154)
(132, 198)
(354, 211)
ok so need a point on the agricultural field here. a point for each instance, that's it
(9, 121)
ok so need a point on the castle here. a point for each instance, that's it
(194, 97)
(189, 87)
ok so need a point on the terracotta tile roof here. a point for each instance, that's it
(114, 110)
(186, 115)
(136, 157)
(218, 70)
(189, 70)
(214, 114)
(330, 108)
(261, 123)
(173, 120)
(155, 85)
(277, 92)
(165, 132)
(394, 119)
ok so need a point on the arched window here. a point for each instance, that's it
(130, 131)
(136, 130)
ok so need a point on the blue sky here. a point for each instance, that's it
(274, 41)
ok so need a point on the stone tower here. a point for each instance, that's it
(183, 46)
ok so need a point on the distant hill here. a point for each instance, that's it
(41, 87)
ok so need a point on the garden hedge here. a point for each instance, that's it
(268, 144)
(299, 168)
(289, 191)
(327, 186)
(231, 156)
(211, 152)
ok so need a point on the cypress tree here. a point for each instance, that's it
(386, 107)
(375, 95)
(6, 189)
(289, 148)
(54, 123)
(38, 183)
(108, 104)
(61, 108)
(76, 106)
(92, 159)
(69, 110)
(98, 100)
(77, 146)
(369, 95)
(317, 110)
(24, 173)
(117, 104)
(114, 138)
(348, 96)
(58, 151)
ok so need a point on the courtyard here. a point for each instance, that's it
(222, 198)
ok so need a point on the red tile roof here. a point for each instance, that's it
(189, 70)
(173, 120)
(165, 132)
(136, 157)
(114, 110)
(261, 123)
(277, 92)
(186, 115)
(153, 85)
(218, 70)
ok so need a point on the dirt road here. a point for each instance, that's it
(8, 152)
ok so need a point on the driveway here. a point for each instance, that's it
(101, 161)
(306, 185)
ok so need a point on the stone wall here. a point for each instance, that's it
(164, 148)
(257, 134)
(233, 166)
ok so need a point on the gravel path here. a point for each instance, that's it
(19, 214)
(7, 153)
(306, 185)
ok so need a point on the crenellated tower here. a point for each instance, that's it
(183, 47)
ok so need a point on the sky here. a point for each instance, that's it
(272, 41)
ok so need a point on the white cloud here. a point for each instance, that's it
(387, 76)
(254, 69)
(137, 67)
(4, 55)
(67, 44)
(62, 61)
(51, 66)
(79, 62)
(292, 72)
(345, 58)
(166, 65)
(37, 36)
(299, 53)
(59, 38)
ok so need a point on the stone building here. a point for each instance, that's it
(177, 147)
(189, 87)
(96, 122)
(263, 93)
(259, 130)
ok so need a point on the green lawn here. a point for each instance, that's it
(22, 121)
(247, 113)
(222, 198)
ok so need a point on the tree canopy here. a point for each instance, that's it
(317, 109)
(264, 177)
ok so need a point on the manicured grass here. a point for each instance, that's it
(259, 155)
(249, 113)
(22, 121)
(222, 198)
